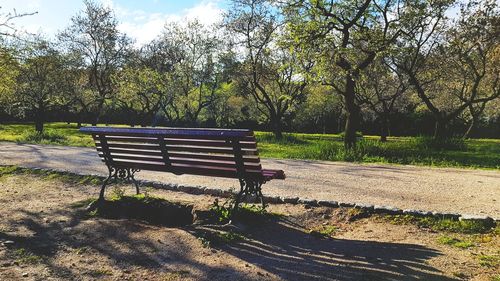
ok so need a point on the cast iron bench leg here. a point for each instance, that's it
(116, 174)
(249, 187)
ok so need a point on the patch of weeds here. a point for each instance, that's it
(100, 272)
(222, 212)
(210, 238)
(455, 242)
(9, 170)
(323, 231)
(496, 278)
(491, 261)
(118, 192)
(357, 213)
(230, 236)
(176, 275)
(438, 224)
(24, 256)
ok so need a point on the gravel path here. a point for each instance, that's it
(407, 187)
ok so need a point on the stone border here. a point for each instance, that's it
(377, 209)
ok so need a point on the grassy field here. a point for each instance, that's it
(475, 153)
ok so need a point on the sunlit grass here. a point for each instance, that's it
(475, 153)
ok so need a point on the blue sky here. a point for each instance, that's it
(140, 19)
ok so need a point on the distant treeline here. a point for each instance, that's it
(376, 67)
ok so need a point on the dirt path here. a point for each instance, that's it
(407, 187)
(45, 234)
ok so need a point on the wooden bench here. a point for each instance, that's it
(206, 152)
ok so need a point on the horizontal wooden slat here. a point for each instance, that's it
(219, 157)
(221, 150)
(128, 139)
(176, 132)
(133, 146)
(189, 169)
(132, 152)
(182, 160)
(210, 150)
(189, 142)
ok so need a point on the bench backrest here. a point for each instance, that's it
(210, 152)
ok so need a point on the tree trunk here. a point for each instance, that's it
(384, 129)
(440, 128)
(353, 115)
(276, 126)
(39, 119)
(469, 129)
(39, 126)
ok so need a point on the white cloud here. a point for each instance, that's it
(144, 27)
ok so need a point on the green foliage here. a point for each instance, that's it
(222, 212)
(455, 242)
(438, 224)
(46, 137)
(245, 212)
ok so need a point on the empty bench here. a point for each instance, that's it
(206, 152)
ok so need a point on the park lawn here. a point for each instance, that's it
(478, 153)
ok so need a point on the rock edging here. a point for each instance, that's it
(303, 201)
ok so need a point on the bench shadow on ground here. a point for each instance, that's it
(284, 249)
(278, 247)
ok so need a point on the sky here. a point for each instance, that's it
(142, 20)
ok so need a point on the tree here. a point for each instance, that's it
(141, 92)
(382, 90)
(195, 70)
(38, 83)
(453, 69)
(269, 73)
(346, 37)
(95, 36)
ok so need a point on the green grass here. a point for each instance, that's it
(455, 242)
(323, 231)
(24, 256)
(438, 224)
(492, 261)
(51, 175)
(475, 153)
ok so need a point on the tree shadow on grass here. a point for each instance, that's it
(286, 250)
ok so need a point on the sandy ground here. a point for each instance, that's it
(51, 239)
(465, 191)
